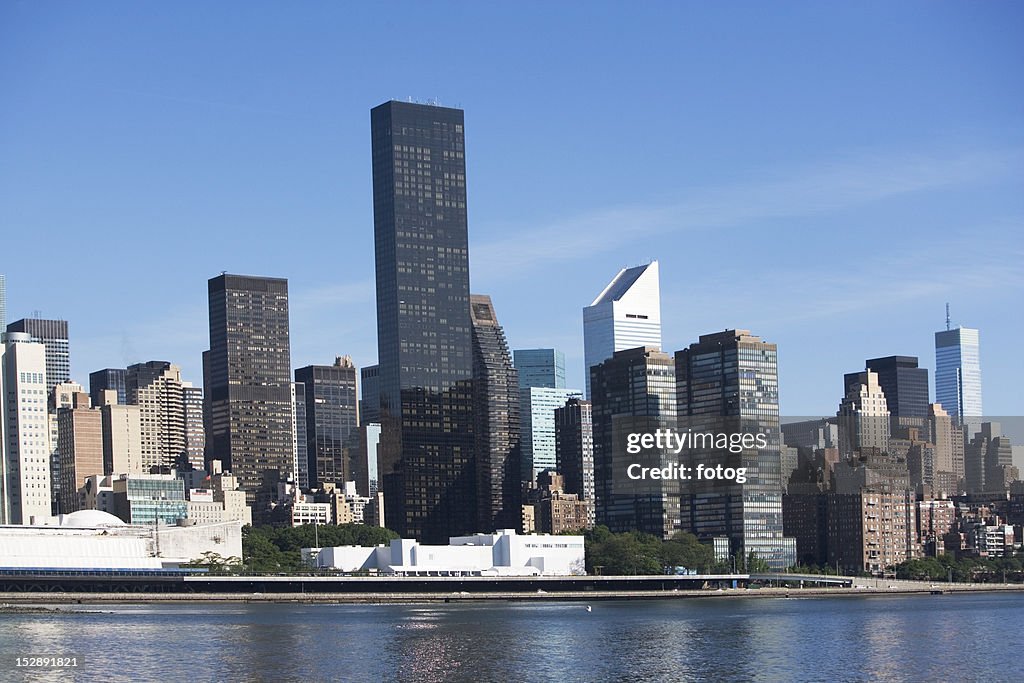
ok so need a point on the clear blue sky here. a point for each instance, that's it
(826, 175)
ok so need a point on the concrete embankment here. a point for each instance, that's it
(9, 601)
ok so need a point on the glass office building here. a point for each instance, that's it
(540, 368)
(424, 332)
(729, 382)
(958, 373)
(331, 416)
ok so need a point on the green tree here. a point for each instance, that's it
(684, 550)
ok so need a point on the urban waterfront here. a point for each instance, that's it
(842, 639)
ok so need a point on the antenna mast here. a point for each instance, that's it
(947, 316)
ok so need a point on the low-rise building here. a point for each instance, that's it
(503, 553)
(92, 539)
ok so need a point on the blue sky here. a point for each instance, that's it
(827, 175)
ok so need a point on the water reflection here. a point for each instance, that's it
(919, 638)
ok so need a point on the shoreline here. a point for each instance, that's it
(16, 602)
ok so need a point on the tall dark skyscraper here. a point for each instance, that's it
(904, 384)
(574, 448)
(331, 420)
(423, 319)
(729, 381)
(247, 373)
(633, 393)
(53, 334)
(496, 422)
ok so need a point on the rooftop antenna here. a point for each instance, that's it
(947, 316)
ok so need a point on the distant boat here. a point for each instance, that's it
(589, 608)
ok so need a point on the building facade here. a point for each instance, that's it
(25, 451)
(80, 446)
(332, 420)
(537, 406)
(958, 374)
(53, 334)
(729, 381)
(108, 379)
(634, 391)
(495, 421)
(904, 384)
(156, 388)
(122, 435)
(863, 415)
(424, 337)
(574, 450)
(247, 379)
(195, 430)
(540, 368)
(625, 315)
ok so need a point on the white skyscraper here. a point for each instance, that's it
(25, 445)
(958, 374)
(627, 314)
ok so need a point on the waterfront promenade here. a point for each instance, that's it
(862, 587)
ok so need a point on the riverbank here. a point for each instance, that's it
(13, 601)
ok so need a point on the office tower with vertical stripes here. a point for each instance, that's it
(958, 374)
(248, 385)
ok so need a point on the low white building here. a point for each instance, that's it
(92, 539)
(503, 553)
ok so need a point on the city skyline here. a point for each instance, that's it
(926, 184)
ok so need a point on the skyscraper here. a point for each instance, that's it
(625, 315)
(729, 380)
(195, 430)
(541, 368)
(156, 388)
(633, 393)
(496, 421)
(574, 450)
(247, 379)
(25, 449)
(424, 340)
(332, 420)
(958, 374)
(537, 406)
(904, 384)
(53, 334)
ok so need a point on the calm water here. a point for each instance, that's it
(953, 637)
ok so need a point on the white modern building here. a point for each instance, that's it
(625, 315)
(503, 553)
(91, 539)
(25, 451)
